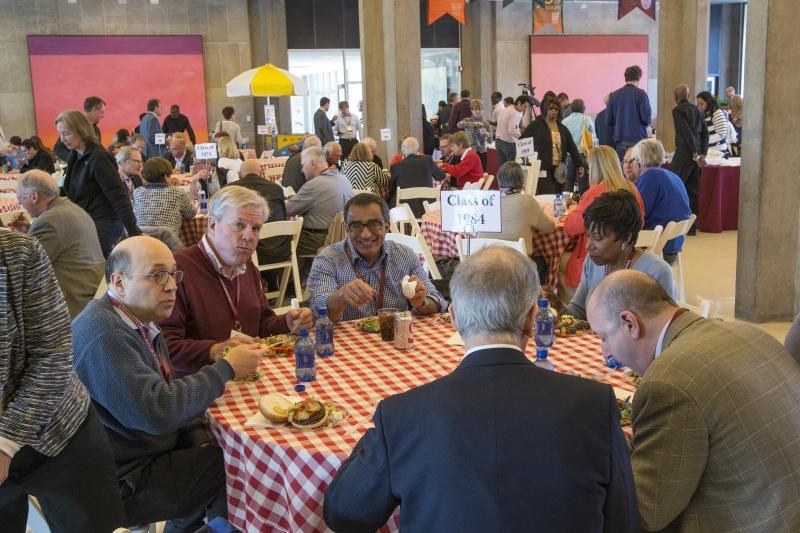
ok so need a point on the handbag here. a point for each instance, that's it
(560, 173)
(587, 141)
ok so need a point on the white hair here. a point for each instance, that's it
(313, 154)
(125, 153)
(370, 142)
(311, 140)
(236, 197)
(649, 153)
(40, 182)
(492, 292)
(409, 146)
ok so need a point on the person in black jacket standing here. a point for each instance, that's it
(92, 181)
(177, 122)
(691, 145)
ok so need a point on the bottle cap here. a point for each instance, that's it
(299, 387)
(541, 353)
(303, 332)
(544, 302)
(322, 311)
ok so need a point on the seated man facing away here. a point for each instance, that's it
(222, 291)
(358, 276)
(293, 171)
(471, 451)
(68, 235)
(716, 418)
(167, 463)
(414, 170)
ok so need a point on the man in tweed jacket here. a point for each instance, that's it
(716, 419)
(52, 445)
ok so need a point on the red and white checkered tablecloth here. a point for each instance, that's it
(8, 204)
(552, 247)
(276, 477)
(273, 162)
(192, 230)
(442, 243)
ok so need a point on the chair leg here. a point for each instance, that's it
(681, 285)
(284, 284)
(298, 288)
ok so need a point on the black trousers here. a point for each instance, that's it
(347, 146)
(77, 488)
(549, 185)
(689, 172)
(483, 157)
(183, 486)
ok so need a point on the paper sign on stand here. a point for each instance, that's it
(205, 151)
(262, 129)
(472, 211)
(386, 134)
(161, 138)
(269, 114)
(525, 147)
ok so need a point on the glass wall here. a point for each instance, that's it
(440, 75)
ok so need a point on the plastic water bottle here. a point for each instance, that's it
(323, 334)
(541, 359)
(611, 362)
(203, 201)
(544, 324)
(558, 204)
(304, 357)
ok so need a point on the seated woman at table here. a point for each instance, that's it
(605, 174)
(229, 160)
(362, 172)
(521, 214)
(664, 195)
(612, 224)
(158, 205)
(38, 156)
(469, 169)
(358, 276)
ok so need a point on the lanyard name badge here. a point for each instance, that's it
(382, 283)
(237, 324)
(157, 357)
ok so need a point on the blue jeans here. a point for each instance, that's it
(506, 151)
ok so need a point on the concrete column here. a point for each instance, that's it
(391, 66)
(269, 45)
(479, 52)
(682, 57)
(512, 47)
(768, 254)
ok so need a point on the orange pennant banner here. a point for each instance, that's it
(439, 8)
(548, 12)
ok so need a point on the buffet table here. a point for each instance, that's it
(276, 477)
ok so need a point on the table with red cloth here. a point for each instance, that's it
(9, 203)
(719, 199)
(441, 243)
(551, 247)
(276, 477)
(192, 230)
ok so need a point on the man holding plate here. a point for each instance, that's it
(356, 277)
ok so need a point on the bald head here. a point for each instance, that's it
(135, 253)
(630, 290)
(250, 166)
(681, 93)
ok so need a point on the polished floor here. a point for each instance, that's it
(709, 262)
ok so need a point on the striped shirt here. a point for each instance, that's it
(43, 403)
(332, 270)
(158, 204)
(472, 127)
(717, 126)
(364, 176)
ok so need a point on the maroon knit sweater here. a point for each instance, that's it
(202, 316)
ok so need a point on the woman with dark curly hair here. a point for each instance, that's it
(612, 224)
(716, 122)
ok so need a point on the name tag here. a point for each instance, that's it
(349, 128)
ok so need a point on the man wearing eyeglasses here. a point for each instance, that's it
(168, 466)
(356, 277)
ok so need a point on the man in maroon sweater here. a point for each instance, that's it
(221, 289)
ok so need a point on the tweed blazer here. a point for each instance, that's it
(716, 431)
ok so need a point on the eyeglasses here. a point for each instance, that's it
(161, 276)
(373, 225)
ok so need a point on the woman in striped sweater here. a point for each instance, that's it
(716, 122)
(362, 173)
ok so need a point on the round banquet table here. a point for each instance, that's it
(192, 230)
(276, 477)
(719, 198)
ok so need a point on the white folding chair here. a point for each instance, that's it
(703, 309)
(532, 179)
(101, 289)
(430, 206)
(675, 229)
(289, 228)
(648, 238)
(400, 216)
(420, 247)
(414, 193)
(480, 243)
(488, 183)
(474, 185)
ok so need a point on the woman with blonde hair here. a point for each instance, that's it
(228, 159)
(605, 175)
(362, 173)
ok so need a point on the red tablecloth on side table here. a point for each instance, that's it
(193, 230)
(719, 199)
(276, 477)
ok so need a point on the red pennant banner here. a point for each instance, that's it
(548, 12)
(439, 8)
(647, 6)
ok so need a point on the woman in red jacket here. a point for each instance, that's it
(469, 170)
(605, 175)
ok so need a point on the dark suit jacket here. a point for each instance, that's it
(497, 445)
(187, 160)
(461, 110)
(691, 133)
(322, 127)
(277, 248)
(413, 171)
(293, 173)
(605, 135)
(43, 160)
(178, 124)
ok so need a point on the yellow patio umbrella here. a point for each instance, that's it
(266, 80)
